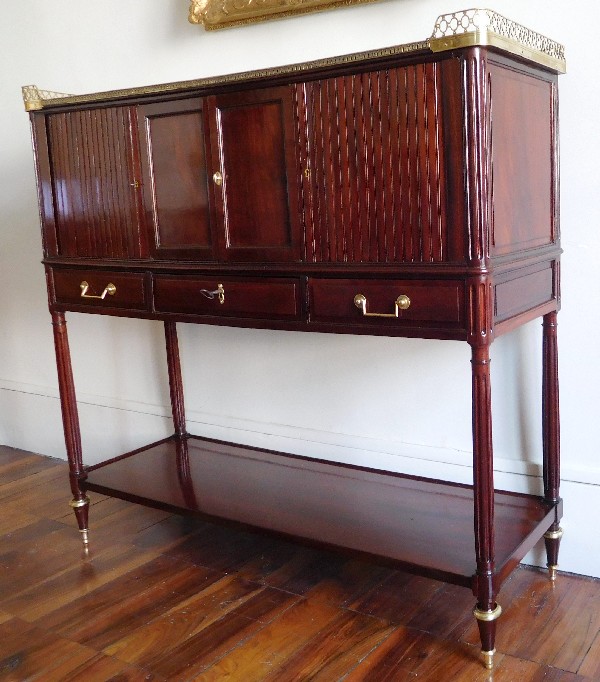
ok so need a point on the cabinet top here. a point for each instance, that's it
(465, 28)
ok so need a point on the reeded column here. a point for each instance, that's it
(481, 335)
(68, 402)
(486, 610)
(551, 434)
(175, 379)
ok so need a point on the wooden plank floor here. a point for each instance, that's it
(160, 597)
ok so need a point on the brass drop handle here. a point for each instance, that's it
(109, 289)
(218, 178)
(218, 292)
(401, 303)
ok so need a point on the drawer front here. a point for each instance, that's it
(427, 303)
(216, 296)
(105, 289)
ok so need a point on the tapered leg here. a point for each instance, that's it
(175, 379)
(68, 402)
(178, 411)
(487, 610)
(551, 435)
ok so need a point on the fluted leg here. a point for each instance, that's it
(175, 379)
(551, 435)
(487, 610)
(68, 402)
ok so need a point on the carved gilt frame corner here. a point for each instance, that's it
(215, 14)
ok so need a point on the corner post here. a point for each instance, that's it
(486, 610)
(477, 126)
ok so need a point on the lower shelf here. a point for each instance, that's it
(422, 525)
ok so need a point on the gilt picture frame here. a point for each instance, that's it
(217, 14)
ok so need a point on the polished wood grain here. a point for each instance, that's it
(523, 177)
(375, 181)
(175, 179)
(175, 379)
(253, 138)
(130, 292)
(405, 162)
(70, 417)
(162, 597)
(97, 209)
(264, 298)
(527, 288)
(384, 515)
(433, 303)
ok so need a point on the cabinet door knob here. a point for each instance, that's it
(218, 178)
(219, 292)
(109, 289)
(401, 303)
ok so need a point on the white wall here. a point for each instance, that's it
(395, 403)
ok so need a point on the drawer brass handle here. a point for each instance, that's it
(218, 178)
(109, 289)
(401, 303)
(219, 291)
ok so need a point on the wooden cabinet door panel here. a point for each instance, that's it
(254, 146)
(375, 147)
(523, 157)
(92, 167)
(174, 163)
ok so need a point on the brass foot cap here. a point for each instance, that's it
(85, 536)
(488, 658)
(552, 570)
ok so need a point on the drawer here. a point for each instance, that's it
(427, 303)
(215, 296)
(105, 289)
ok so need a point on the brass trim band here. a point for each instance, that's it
(554, 534)
(76, 504)
(488, 616)
(34, 99)
(487, 39)
(467, 28)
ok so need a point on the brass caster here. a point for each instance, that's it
(552, 572)
(488, 658)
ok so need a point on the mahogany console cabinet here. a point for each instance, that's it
(410, 191)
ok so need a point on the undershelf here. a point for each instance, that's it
(419, 524)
